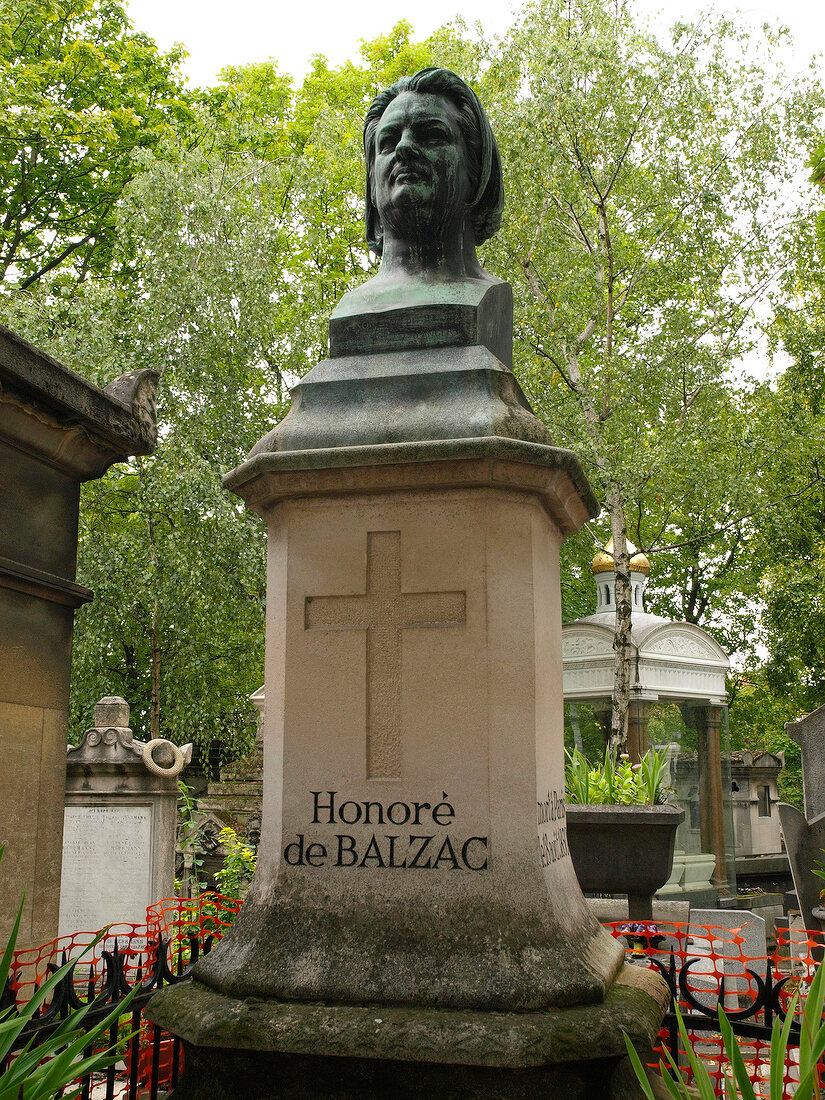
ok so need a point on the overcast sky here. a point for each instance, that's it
(217, 33)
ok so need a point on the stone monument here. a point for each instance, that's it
(119, 823)
(805, 833)
(415, 924)
(809, 734)
(56, 430)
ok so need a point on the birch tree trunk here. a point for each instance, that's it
(622, 649)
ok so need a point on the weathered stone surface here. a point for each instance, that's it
(111, 710)
(809, 734)
(552, 474)
(805, 842)
(475, 709)
(59, 415)
(379, 1050)
(56, 430)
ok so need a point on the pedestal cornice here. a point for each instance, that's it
(555, 475)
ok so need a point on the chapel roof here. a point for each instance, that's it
(604, 562)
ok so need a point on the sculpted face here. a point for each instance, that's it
(420, 181)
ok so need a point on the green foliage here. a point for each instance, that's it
(738, 1085)
(643, 224)
(238, 867)
(80, 92)
(188, 837)
(616, 783)
(218, 264)
(39, 1072)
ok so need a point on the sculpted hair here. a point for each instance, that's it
(482, 151)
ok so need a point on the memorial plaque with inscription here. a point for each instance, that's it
(107, 853)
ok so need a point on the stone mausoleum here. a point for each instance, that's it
(56, 431)
(678, 702)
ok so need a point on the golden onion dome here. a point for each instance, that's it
(604, 563)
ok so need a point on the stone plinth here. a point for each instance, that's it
(409, 681)
(120, 819)
(56, 430)
(413, 857)
(263, 1050)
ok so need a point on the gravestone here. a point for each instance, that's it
(415, 924)
(119, 825)
(804, 834)
(713, 931)
(56, 431)
(805, 843)
(809, 734)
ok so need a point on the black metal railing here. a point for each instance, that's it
(144, 1075)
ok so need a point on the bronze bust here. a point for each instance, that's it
(434, 190)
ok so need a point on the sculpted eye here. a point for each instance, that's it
(387, 141)
(436, 132)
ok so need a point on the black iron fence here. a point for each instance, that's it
(150, 1060)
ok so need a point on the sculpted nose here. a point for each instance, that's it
(407, 145)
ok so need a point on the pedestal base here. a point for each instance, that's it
(262, 1050)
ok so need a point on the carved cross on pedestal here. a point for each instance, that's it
(384, 611)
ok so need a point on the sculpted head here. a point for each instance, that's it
(433, 167)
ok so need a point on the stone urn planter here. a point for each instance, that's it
(623, 850)
(818, 913)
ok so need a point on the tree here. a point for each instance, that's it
(644, 228)
(178, 565)
(228, 258)
(80, 93)
(792, 541)
(638, 232)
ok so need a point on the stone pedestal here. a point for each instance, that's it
(413, 857)
(265, 1050)
(414, 925)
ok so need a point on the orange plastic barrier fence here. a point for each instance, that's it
(753, 987)
(151, 1065)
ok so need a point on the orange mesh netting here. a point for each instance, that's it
(746, 983)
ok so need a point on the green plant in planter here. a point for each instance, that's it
(737, 1083)
(616, 783)
(43, 1071)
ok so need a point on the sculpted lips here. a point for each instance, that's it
(408, 173)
